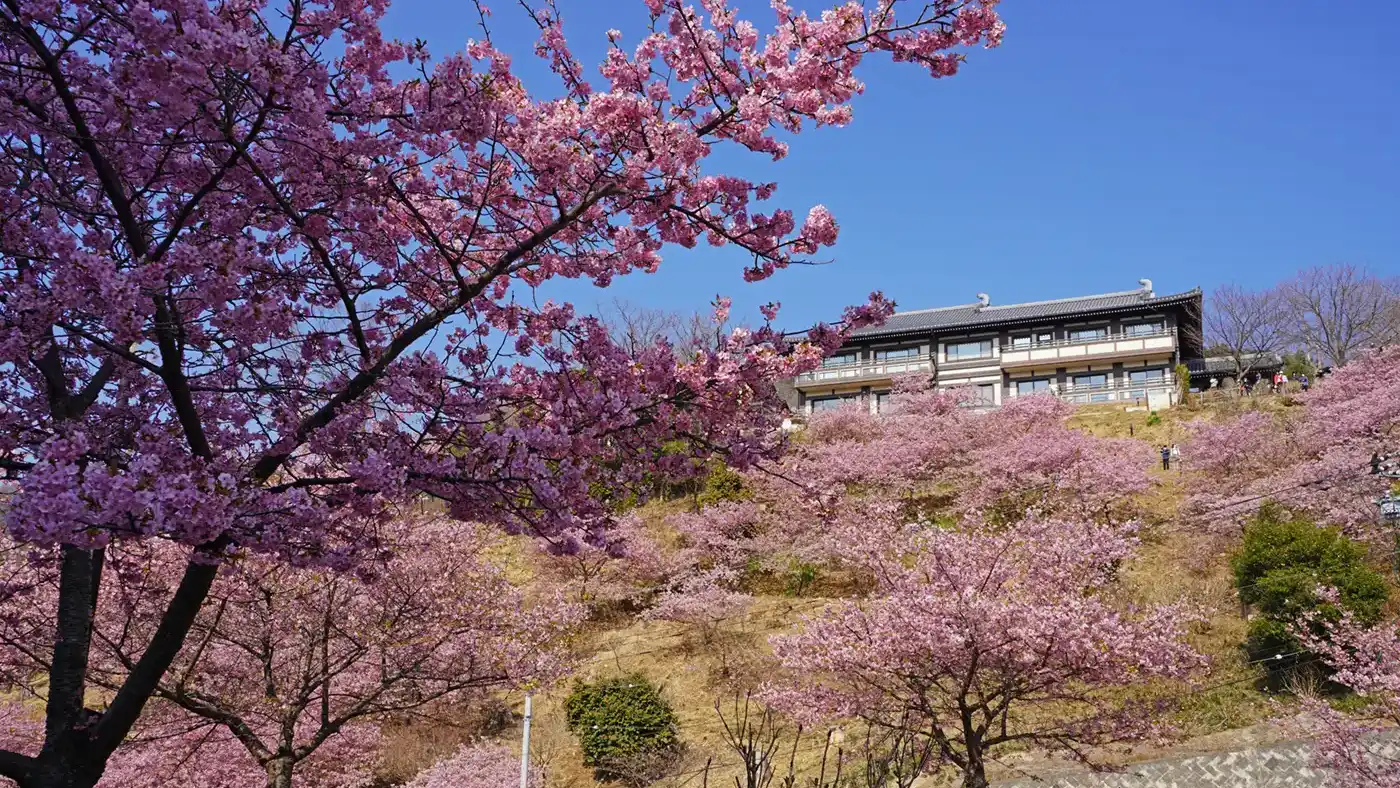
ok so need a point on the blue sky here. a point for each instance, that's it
(1194, 143)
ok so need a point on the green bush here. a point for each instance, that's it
(722, 483)
(1283, 561)
(1153, 419)
(625, 728)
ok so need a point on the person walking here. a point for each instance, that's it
(1176, 454)
(1166, 457)
(1304, 382)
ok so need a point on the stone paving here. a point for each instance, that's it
(1276, 766)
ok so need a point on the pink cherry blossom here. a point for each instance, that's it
(991, 639)
(269, 274)
(480, 765)
(1355, 748)
(1314, 458)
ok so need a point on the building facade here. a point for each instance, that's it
(1110, 348)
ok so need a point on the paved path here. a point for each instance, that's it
(1277, 766)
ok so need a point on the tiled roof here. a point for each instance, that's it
(977, 316)
(1225, 365)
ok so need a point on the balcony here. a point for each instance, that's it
(874, 369)
(1112, 391)
(1071, 350)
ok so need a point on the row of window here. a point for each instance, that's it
(1093, 380)
(982, 348)
(986, 393)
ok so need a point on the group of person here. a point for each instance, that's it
(1170, 454)
(1278, 384)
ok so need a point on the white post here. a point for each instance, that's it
(525, 745)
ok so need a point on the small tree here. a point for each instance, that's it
(1183, 383)
(990, 640)
(479, 765)
(625, 727)
(755, 736)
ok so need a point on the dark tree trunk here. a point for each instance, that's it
(975, 773)
(279, 773)
(78, 741)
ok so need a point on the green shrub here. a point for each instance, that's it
(1283, 561)
(626, 730)
(800, 577)
(722, 483)
(1153, 419)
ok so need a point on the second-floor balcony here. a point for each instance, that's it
(1087, 347)
(869, 369)
(1109, 390)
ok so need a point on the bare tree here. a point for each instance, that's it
(1248, 325)
(754, 736)
(637, 327)
(1336, 310)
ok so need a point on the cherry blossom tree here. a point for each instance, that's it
(1315, 459)
(479, 765)
(257, 287)
(299, 665)
(1366, 660)
(992, 638)
(160, 760)
(857, 487)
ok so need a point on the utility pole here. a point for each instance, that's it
(525, 744)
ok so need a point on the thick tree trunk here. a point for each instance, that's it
(975, 774)
(78, 741)
(63, 769)
(279, 773)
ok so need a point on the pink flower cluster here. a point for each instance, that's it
(990, 638)
(1358, 749)
(297, 667)
(1314, 459)
(480, 765)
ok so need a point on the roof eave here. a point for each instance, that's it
(1167, 300)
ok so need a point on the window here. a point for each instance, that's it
(1097, 380)
(965, 351)
(1044, 338)
(882, 402)
(1139, 377)
(904, 352)
(1145, 377)
(1021, 341)
(1144, 329)
(840, 360)
(1088, 334)
(1032, 386)
(987, 394)
(831, 403)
